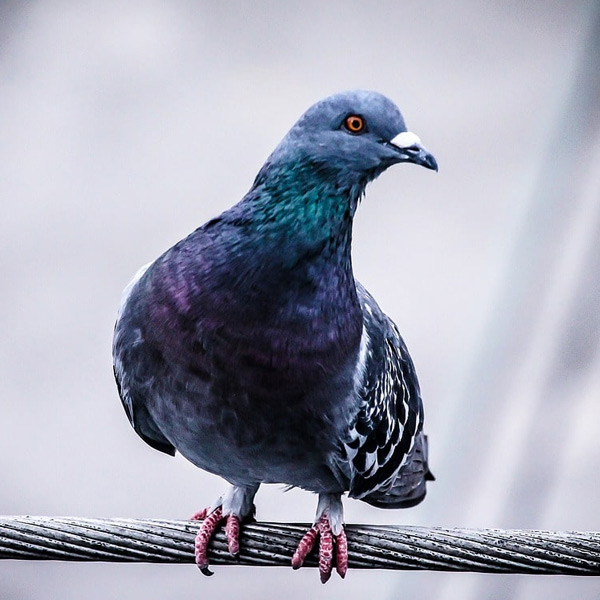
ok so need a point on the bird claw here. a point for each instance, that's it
(322, 529)
(200, 515)
(232, 533)
(304, 547)
(341, 563)
(210, 524)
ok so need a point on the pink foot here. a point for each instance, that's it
(200, 515)
(322, 529)
(211, 522)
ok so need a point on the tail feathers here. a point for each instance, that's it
(409, 487)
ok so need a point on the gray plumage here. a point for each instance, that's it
(250, 348)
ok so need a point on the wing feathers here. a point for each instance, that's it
(386, 449)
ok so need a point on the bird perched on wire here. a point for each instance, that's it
(250, 348)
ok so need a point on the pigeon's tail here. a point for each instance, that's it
(409, 487)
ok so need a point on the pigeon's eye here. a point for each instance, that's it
(354, 124)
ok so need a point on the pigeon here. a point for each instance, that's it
(250, 348)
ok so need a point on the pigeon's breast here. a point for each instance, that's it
(251, 395)
(266, 324)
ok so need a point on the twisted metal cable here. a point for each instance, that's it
(369, 546)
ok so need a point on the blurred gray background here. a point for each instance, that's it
(126, 125)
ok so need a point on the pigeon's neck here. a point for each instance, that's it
(306, 210)
(293, 238)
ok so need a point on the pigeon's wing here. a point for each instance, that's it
(141, 420)
(134, 382)
(386, 448)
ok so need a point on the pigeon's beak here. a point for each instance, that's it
(410, 149)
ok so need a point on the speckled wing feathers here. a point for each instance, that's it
(386, 447)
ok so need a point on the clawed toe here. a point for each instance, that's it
(200, 515)
(305, 546)
(203, 537)
(232, 533)
(341, 556)
(207, 530)
(327, 540)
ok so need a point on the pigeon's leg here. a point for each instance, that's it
(329, 529)
(234, 507)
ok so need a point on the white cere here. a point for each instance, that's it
(406, 139)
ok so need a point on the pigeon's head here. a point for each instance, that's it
(355, 135)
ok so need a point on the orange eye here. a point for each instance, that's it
(354, 124)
